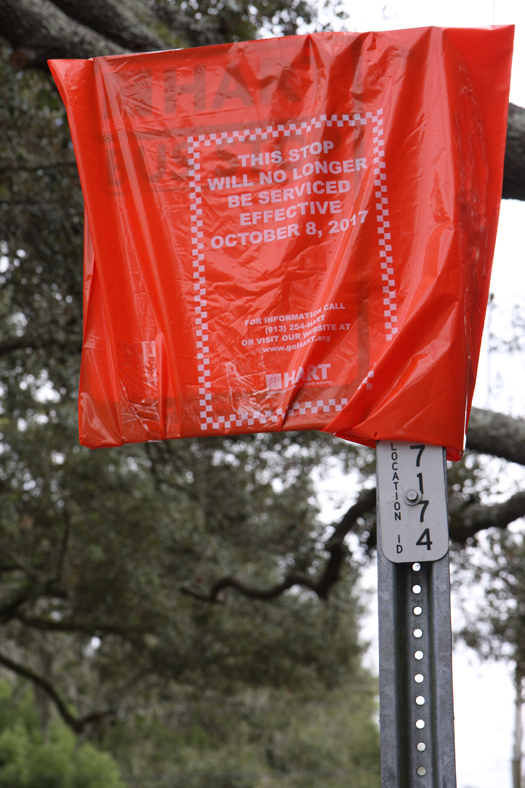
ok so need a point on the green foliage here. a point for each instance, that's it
(28, 760)
(256, 739)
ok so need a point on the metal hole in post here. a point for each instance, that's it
(420, 724)
(420, 700)
(416, 589)
(421, 771)
(418, 610)
(416, 567)
(419, 655)
(419, 678)
(421, 746)
(418, 633)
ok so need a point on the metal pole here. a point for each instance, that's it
(415, 649)
(518, 735)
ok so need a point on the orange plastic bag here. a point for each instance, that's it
(290, 233)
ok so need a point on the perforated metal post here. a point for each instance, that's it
(415, 643)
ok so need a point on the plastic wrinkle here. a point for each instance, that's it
(287, 234)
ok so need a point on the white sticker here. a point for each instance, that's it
(412, 501)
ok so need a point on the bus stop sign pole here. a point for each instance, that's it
(415, 641)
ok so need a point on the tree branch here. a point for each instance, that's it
(91, 630)
(466, 522)
(77, 724)
(496, 434)
(365, 504)
(320, 585)
(115, 21)
(214, 595)
(38, 30)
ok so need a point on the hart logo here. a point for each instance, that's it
(314, 373)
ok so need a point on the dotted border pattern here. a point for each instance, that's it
(209, 420)
(383, 229)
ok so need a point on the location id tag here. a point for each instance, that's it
(412, 503)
